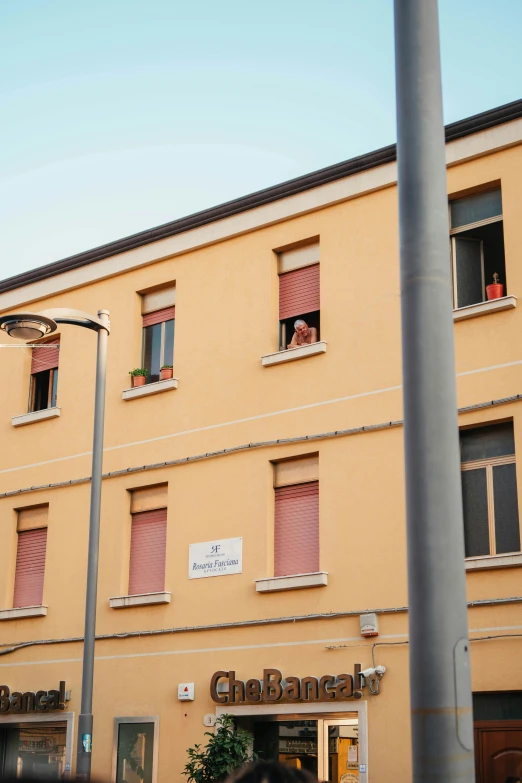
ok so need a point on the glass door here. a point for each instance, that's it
(340, 757)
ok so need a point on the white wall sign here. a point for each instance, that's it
(216, 558)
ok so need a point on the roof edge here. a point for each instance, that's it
(456, 130)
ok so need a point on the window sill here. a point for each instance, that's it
(150, 388)
(23, 611)
(146, 599)
(276, 584)
(509, 560)
(291, 354)
(482, 308)
(30, 418)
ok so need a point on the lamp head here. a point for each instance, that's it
(27, 326)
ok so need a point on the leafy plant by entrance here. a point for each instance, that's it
(226, 750)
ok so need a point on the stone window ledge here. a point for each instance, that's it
(291, 354)
(23, 611)
(150, 388)
(275, 584)
(509, 560)
(30, 418)
(482, 308)
(146, 599)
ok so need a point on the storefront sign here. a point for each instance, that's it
(216, 558)
(273, 688)
(30, 701)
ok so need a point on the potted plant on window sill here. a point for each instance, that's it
(166, 372)
(139, 376)
(495, 290)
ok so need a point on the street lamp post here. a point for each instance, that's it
(441, 709)
(31, 326)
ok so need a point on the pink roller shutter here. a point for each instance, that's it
(167, 314)
(30, 567)
(147, 556)
(299, 292)
(45, 358)
(296, 540)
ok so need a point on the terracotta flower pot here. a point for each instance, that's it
(138, 380)
(166, 374)
(495, 290)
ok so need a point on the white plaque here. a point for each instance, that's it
(216, 558)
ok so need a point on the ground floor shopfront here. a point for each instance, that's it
(317, 714)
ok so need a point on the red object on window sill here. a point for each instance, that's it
(495, 291)
(138, 380)
(166, 374)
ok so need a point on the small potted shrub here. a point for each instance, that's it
(139, 376)
(166, 372)
(495, 290)
(228, 749)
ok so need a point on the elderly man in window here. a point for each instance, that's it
(303, 335)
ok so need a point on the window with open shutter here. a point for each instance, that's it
(299, 290)
(159, 314)
(296, 521)
(44, 375)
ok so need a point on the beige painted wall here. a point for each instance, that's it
(226, 319)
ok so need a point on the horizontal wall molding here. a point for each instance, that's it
(250, 446)
(466, 139)
(10, 647)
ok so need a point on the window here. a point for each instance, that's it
(298, 270)
(477, 246)
(44, 376)
(136, 750)
(148, 540)
(30, 556)
(489, 490)
(158, 310)
(296, 524)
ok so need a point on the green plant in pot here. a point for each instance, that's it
(139, 376)
(165, 372)
(226, 750)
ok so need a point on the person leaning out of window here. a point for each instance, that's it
(303, 335)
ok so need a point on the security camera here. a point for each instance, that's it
(372, 677)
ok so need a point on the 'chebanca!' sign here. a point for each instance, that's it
(216, 558)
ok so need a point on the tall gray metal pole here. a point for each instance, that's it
(441, 708)
(85, 721)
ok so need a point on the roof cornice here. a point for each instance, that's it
(454, 131)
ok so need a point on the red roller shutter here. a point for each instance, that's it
(299, 292)
(167, 314)
(147, 556)
(30, 567)
(296, 541)
(45, 358)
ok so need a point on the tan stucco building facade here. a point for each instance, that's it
(217, 447)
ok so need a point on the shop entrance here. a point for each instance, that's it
(33, 750)
(327, 746)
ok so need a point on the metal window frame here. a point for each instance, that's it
(162, 342)
(155, 745)
(454, 271)
(488, 464)
(53, 373)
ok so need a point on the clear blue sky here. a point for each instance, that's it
(119, 115)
